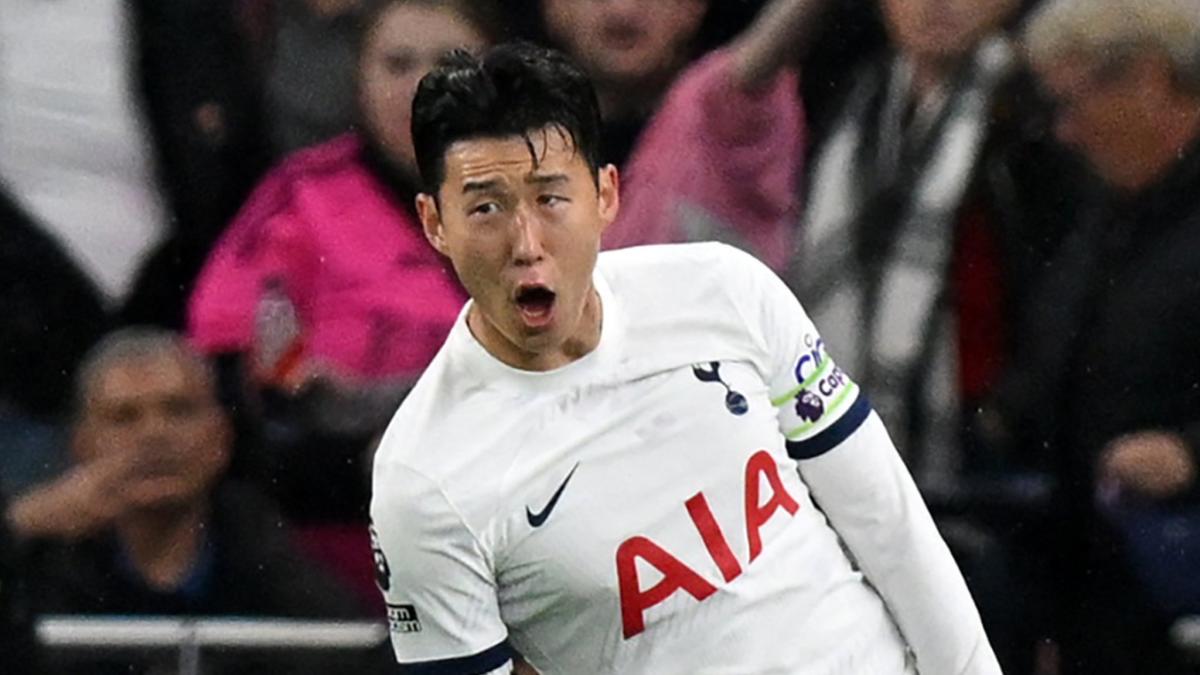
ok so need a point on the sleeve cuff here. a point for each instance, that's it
(475, 664)
(833, 436)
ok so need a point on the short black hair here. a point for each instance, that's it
(512, 90)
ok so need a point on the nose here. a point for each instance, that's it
(528, 247)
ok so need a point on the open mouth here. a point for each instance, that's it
(536, 304)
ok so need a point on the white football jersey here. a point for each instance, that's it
(640, 510)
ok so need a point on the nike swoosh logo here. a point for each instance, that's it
(536, 519)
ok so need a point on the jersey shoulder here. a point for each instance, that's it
(433, 414)
(681, 264)
(708, 285)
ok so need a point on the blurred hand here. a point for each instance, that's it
(83, 501)
(1151, 463)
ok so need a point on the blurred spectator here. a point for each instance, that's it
(1112, 381)
(710, 150)
(332, 232)
(324, 290)
(721, 157)
(16, 629)
(129, 130)
(851, 33)
(52, 316)
(934, 200)
(310, 84)
(633, 51)
(143, 523)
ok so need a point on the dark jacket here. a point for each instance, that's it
(1112, 349)
(52, 314)
(1117, 324)
(200, 97)
(250, 569)
(16, 629)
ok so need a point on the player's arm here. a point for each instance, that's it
(856, 476)
(436, 578)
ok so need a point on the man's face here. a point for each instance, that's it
(161, 413)
(1109, 113)
(629, 42)
(943, 29)
(523, 237)
(405, 44)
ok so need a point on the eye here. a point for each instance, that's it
(400, 64)
(179, 407)
(552, 200)
(122, 416)
(485, 209)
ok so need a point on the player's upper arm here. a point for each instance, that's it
(817, 404)
(436, 578)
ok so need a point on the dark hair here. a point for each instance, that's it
(513, 90)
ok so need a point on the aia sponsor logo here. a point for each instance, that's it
(676, 575)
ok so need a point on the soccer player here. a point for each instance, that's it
(599, 469)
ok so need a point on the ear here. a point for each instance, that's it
(431, 222)
(609, 201)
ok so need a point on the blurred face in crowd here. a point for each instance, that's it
(943, 29)
(523, 237)
(1112, 113)
(161, 412)
(626, 42)
(403, 45)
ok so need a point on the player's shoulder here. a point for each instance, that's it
(429, 416)
(690, 265)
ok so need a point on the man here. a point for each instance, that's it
(141, 525)
(1110, 383)
(595, 472)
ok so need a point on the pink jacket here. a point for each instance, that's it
(717, 163)
(373, 299)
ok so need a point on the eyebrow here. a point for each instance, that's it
(480, 186)
(547, 179)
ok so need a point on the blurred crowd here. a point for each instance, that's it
(215, 290)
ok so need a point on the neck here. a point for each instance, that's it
(164, 544)
(929, 74)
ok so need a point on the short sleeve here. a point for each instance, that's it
(817, 404)
(436, 578)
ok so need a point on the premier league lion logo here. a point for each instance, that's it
(809, 406)
(383, 572)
